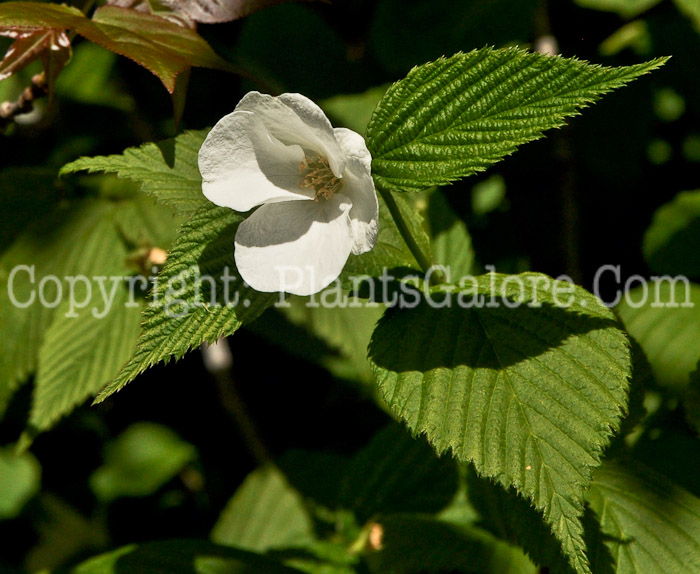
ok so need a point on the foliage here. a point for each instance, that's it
(508, 381)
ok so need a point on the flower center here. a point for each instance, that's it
(317, 175)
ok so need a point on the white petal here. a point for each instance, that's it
(295, 247)
(243, 166)
(295, 119)
(358, 185)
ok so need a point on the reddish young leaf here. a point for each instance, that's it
(217, 11)
(161, 46)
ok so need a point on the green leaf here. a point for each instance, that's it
(691, 401)
(397, 473)
(524, 376)
(625, 8)
(452, 245)
(354, 110)
(181, 557)
(391, 254)
(344, 328)
(648, 523)
(27, 195)
(664, 317)
(670, 242)
(199, 296)
(20, 478)
(690, 9)
(510, 517)
(80, 355)
(139, 461)
(89, 79)
(413, 544)
(456, 116)
(77, 241)
(167, 170)
(265, 513)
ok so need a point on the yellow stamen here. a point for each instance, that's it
(317, 175)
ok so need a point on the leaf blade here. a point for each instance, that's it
(456, 116)
(529, 395)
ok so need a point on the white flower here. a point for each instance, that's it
(312, 183)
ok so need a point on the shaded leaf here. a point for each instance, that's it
(649, 524)
(181, 557)
(452, 244)
(346, 329)
(199, 295)
(625, 8)
(670, 242)
(20, 478)
(139, 461)
(664, 317)
(390, 255)
(397, 473)
(265, 513)
(414, 544)
(513, 378)
(456, 116)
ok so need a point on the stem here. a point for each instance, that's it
(423, 260)
(218, 361)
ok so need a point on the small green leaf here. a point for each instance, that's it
(20, 478)
(690, 9)
(648, 523)
(625, 8)
(456, 116)
(354, 110)
(167, 170)
(691, 400)
(181, 557)
(265, 513)
(397, 473)
(664, 317)
(524, 376)
(139, 461)
(670, 242)
(413, 544)
(199, 295)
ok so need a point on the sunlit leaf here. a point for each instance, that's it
(166, 170)
(529, 393)
(456, 116)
